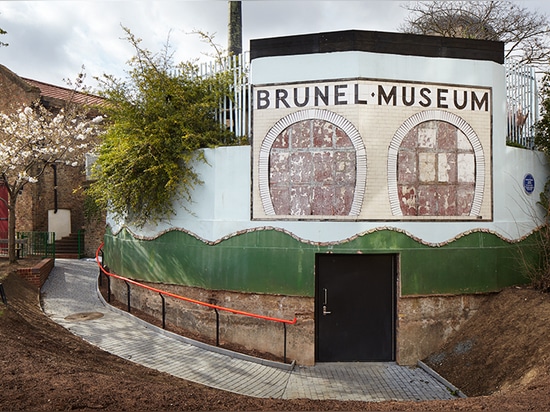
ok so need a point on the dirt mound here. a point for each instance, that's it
(45, 367)
(504, 348)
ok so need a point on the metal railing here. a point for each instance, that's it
(522, 101)
(36, 244)
(522, 98)
(103, 269)
(234, 111)
(40, 244)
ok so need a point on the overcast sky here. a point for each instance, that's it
(50, 40)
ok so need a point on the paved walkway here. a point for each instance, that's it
(70, 298)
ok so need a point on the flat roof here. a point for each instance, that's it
(378, 42)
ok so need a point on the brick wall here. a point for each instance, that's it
(37, 274)
(24, 210)
(36, 199)
(15, 91)
(94, 233)
(68, 193)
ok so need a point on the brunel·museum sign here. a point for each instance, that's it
(372, 150)
(363, 93)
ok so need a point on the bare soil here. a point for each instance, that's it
(500, 358)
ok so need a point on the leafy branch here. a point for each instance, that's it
(159, 116)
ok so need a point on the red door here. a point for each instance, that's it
(3, 213)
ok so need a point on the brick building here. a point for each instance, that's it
(56, 202)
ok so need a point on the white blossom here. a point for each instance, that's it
(32, 139)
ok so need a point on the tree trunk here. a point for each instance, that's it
(11, 229)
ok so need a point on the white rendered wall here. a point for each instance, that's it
(222, 205)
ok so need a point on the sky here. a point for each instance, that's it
(51, 40)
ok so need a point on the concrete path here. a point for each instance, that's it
(70, 297)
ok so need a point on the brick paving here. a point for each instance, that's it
(71, 289)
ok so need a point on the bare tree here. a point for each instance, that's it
(3, 32)
(524, 32)
(2, 43)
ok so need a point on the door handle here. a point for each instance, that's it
(325, 302)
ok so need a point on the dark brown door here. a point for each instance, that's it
(355, 307)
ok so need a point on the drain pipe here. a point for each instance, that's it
(54, 167)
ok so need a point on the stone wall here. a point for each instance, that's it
(424, 323)
(250, 333)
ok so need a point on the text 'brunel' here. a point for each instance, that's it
(441, 97)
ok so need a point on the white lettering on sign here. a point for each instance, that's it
(371, 93)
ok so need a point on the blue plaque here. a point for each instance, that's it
(529, 183)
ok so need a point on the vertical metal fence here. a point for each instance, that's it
(522, 99)
(234, 111)
(38, 244)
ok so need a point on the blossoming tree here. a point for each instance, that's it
(33, 138)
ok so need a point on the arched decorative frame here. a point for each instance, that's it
(459, 123)
(311, 114)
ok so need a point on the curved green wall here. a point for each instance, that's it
(271, 261)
